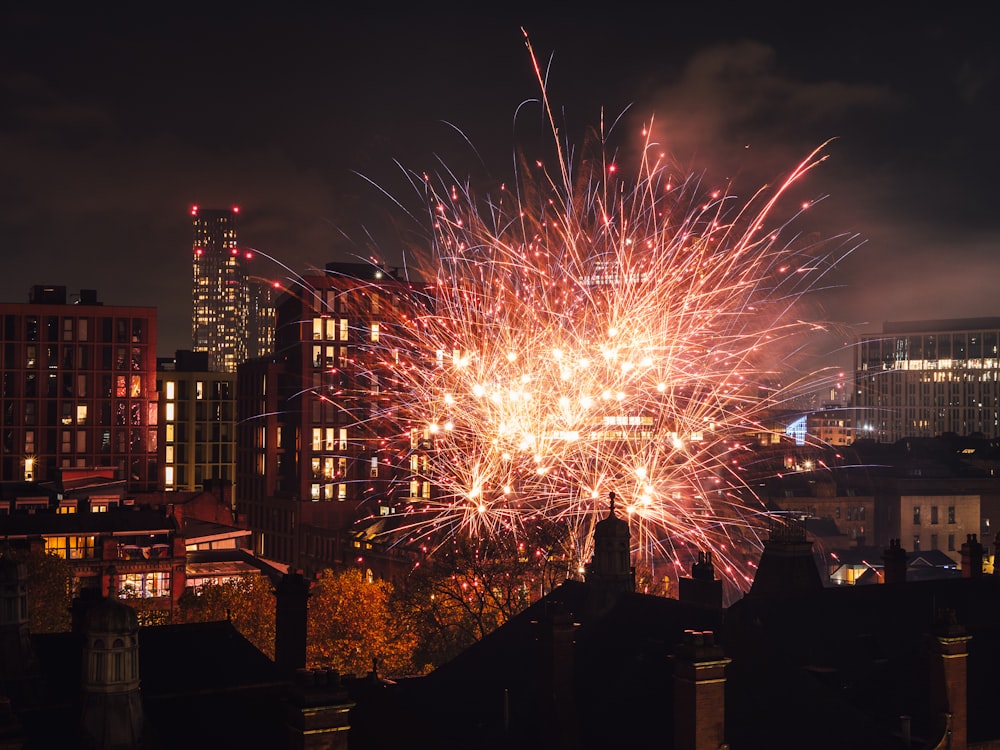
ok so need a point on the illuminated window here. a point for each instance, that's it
(81, 414)
(199, 389)
(317, 439)
(373, 471)
(317, 329)
(71, 547)
(169, 454)
(145, 585)
(374, 331)
(314, 491)
(169, 414)
(169, 433)
(341, 491)
(170, 388)
(168, 475)
(343, 439)
(344, 331)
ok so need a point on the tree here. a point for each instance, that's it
(247, 601)
(354, 623)
(472, 585)
(48, 590)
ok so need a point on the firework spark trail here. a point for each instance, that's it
(592, 332)
(597, 334)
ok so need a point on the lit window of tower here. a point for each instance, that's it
(220, 290)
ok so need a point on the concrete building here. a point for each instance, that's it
(198, 414)
(324, 434)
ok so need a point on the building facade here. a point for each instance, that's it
(927, 378)
(324, 436)
(78, 388)
(110, 545)
(198, 413)
(232, 309)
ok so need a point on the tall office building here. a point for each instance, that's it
(926, 378)
(324, 436)
(232, 309)
(78, 388)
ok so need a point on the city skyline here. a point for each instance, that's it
(115, 127)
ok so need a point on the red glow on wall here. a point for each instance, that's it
(236, 209)
(194, 210)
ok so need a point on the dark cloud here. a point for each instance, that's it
(111, 127)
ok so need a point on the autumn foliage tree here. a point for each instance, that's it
(472, 585)
(248, 602)
(354, 623)
(47, 589)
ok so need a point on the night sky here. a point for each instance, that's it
(116, 119)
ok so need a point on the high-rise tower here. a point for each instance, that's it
(220, 293)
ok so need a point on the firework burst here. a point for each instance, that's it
(594, 332)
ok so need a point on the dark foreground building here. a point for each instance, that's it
(594, 665)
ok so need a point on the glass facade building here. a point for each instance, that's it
(927, 378)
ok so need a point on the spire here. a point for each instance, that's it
(610, 570)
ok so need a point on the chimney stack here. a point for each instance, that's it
(949, 678)
(290, 621)
(972, 557)
(894, 563)
(699, 692)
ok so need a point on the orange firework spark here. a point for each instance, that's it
(596, 333)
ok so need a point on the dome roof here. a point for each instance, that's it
(611, 525)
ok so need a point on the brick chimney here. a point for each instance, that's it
(699, 692)
(318, 711)
(557, 641)
(949, 670)
(894, 563)
(702, 587)
(290, 621)
(972, 557)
